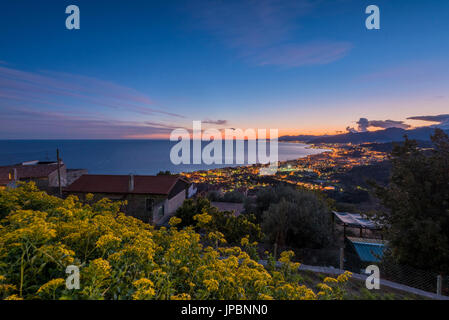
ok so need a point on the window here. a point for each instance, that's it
(160, 211)
(149, 204)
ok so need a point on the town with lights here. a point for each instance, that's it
(326, 171)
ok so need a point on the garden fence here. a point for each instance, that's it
(343, 259)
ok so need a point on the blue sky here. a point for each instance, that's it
(138, 69)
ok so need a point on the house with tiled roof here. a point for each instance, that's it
(153, 199)
(44, 174)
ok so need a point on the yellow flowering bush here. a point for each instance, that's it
(333, 287)
(244, 241)
(174, 221)
(145, 289)
(5, 288)
(182, 296)
(120, 257)
(49, 289)
(203, 219)
(13, 297)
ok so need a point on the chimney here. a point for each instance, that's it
(131, 183)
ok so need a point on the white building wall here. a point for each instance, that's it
(175, 202)
(170, 207)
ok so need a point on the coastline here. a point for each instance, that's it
(257, 165)
(142, 157)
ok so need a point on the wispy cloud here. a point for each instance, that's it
(22, 123)
(67, 90)
(217, 122)
(61, 105)
(438, 118)
(265, 31)
(300, 55)
(442, 120)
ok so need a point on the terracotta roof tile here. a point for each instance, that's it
(91, 183)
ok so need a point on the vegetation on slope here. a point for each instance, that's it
(122, 258)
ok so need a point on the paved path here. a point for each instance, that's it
(363, 277)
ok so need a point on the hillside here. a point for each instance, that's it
(380, 136)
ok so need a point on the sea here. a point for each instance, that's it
(143, 157)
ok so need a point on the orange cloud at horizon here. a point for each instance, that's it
(281, 132)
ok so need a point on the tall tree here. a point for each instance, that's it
(301, 220)
(416, 202)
